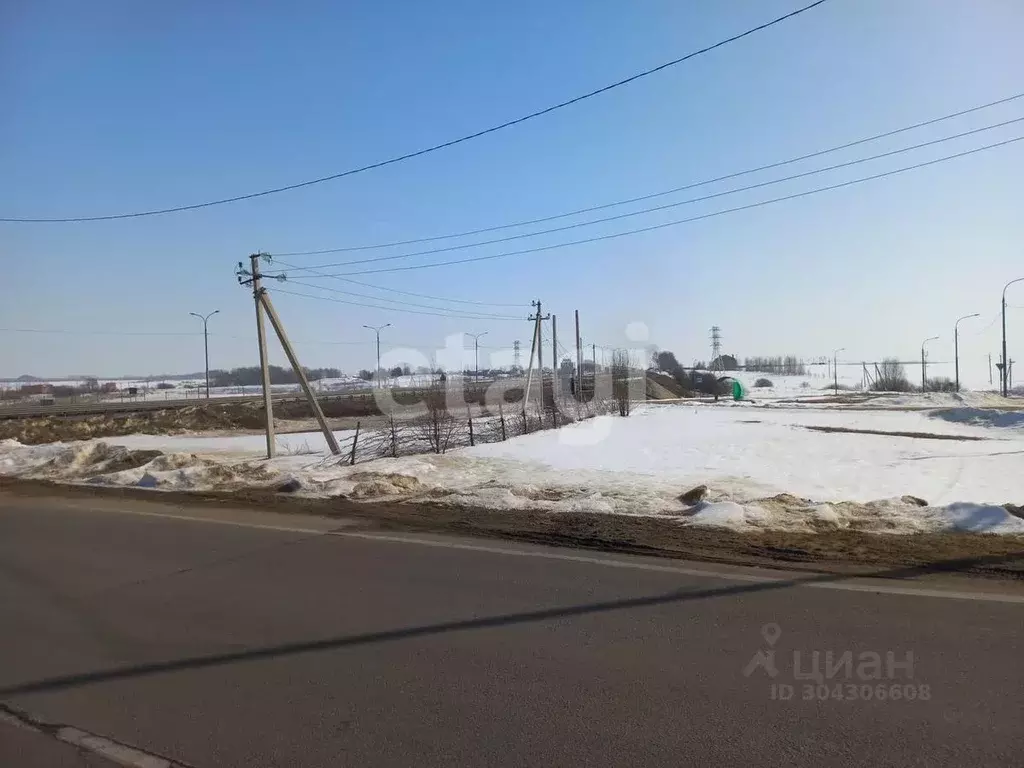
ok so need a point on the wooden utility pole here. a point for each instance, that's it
(579, 352)
(554, 358)
(537, 345)
(529, 365)
(332, 441)
(268, 402)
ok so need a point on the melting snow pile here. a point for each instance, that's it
(763, 467)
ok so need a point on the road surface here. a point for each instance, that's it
(241, 638)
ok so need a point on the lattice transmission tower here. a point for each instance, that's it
(716, 348)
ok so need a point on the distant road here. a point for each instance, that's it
(129, 406)
(236, 638)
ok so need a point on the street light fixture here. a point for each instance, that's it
(476, 354)
(924, 364)
(206, 345)
(377, 329)
(835, 368)
(956, 347)
(1006, 368)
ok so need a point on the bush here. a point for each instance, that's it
(941, 384)
(164, 385)
(762, 383)
(620, 381)
(892, 377)
(439, 427)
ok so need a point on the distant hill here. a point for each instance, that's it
(26, 377)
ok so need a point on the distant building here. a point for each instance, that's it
(724, 363)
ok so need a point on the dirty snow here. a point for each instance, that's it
(747, 454)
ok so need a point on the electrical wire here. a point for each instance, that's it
(434, 148)
(394, 309)
(394, 301)
(677, 222)
(79, 332)
(668, 206)
(987, 327)
(652, 195)
(313, 270)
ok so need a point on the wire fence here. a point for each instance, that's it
(440, 430)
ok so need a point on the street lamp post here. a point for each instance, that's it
(476, 354)
(377, 329)
(1006, 367)
(835, 368)
(206, 345)
(924, 364)
(956, 347)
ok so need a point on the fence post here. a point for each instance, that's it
(501, 414)
(471, 443)
(394, 440)
(355, 439)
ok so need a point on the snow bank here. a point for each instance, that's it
(978, 518)
(764, 469)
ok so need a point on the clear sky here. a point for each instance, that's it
(121, 106)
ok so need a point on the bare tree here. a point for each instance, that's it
(621, 372)
(438, 427)
(891, 377)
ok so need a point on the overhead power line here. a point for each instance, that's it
(677, 222)
(395, 309)
(667, 206)
(662, 193)
(396, 301)
(312, 270)
(435, 147)
(80, 332)
(987, 327)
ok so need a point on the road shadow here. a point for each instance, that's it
(278, 651)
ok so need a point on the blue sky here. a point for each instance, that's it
(119, 106)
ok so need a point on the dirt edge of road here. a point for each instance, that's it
(847, 552)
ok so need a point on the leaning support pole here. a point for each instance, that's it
(275, 321)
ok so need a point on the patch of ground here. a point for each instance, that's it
(214, 416)
(924, 435)
(838, 551)
(217, 417)
(98, 459)
(847, 398)
(375, 485)
(660, 386)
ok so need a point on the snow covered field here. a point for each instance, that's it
(745, 453)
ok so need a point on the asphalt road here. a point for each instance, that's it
(221, 638)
